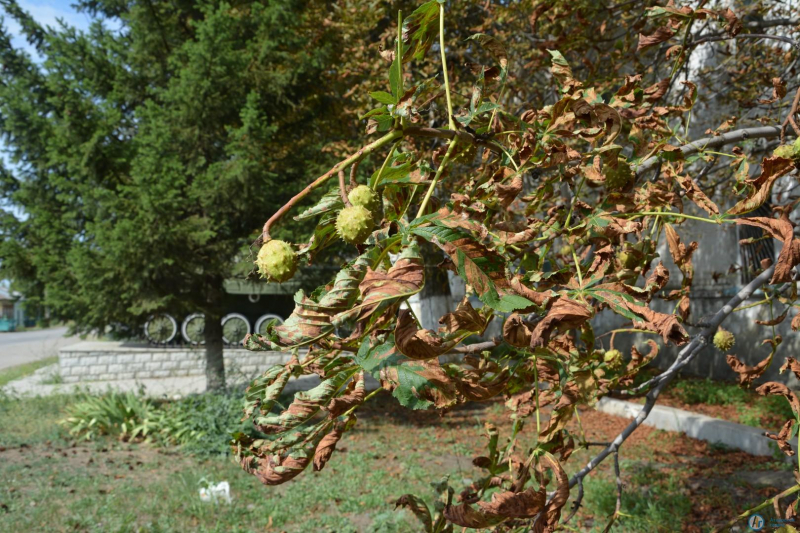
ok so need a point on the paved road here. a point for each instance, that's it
(26, 346)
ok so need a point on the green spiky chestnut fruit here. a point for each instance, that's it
(788, 151)
(724, 340)
(612, 357)
(354, 224)
(367, 198)
(619, 176)
(277, 261)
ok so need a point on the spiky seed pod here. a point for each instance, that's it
(619, 176)
(724, 340)
(367, 198)
(613, 357)
(788, 151)
(277, 261)
(354, 224)
(785, 151)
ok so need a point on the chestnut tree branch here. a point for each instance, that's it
(685, 356)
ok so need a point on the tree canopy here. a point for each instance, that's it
(546, 155)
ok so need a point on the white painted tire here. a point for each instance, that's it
(241, 331)
(165, 337)
(263, 319)
(185, 331)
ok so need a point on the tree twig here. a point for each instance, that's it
(685, 356)
(343, 190)
(764, 132)
(758, 507)
(790, 117)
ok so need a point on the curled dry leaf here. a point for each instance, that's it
(354, 395)
(772, 168)
(783, 230)
(275, 469)
(327, 445)
(773, 388)
(791, 364)
(748, 373)
(419, 508)
(783, 438)
(516, 331)
(564, 313)
(661, 34)
(381, 290)
(422, 344)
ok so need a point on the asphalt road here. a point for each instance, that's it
(26, 346)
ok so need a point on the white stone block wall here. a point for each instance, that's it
(109, 361)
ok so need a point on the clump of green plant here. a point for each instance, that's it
(122, 415)
(201, 424)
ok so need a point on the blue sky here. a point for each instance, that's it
(47, 12)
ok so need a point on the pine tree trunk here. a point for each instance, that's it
(215, 364)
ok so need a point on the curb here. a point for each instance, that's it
(697, 426)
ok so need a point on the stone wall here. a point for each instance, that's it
(109, 361)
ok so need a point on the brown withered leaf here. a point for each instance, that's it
(354, 395)
(775, 321)
(422, 344)
(791, 364)
(783, 438)
(681, 254)
(552, 512)
(381, 290)
(796, 323)
(541, 299)
(562, 412)
(783, 230)
(418, 507)
(748, 373)
(696, 194)
(564, 313)
(657, 90)
(734, 25)
(516, 331)
(474, 388)
(627, 91)
(778, 91)
(668, 326)
(772, 168)
(665, 325)
(465, 515)
(508, 192)
(657, 280)
(773, 388)
(275, 469)
(327, 446)
(661, 34)
(638, 359)
(525, 504)
(524, 403)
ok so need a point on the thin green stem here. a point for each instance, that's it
(439, 171)
(671, 214)
(451, 123)
(374, 182)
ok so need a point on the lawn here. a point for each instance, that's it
(10, 374)
(51, 482)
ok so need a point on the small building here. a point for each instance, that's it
(8, 304)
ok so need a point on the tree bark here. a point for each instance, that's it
(435, 299)
(215, 364)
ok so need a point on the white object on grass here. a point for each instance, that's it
(215, 493)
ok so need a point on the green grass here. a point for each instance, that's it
(751, 408)
(10, 374)
(52, 482)
(653, 500)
